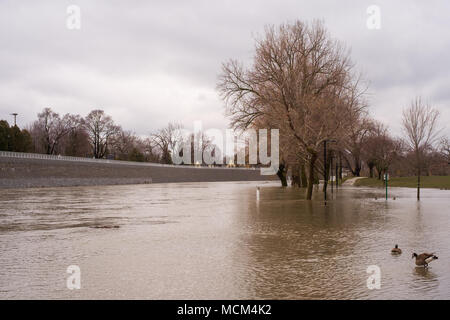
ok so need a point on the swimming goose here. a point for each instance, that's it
(424, 259)
(396, 250)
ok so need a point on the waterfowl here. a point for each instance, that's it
(424, 259)
(396, 250)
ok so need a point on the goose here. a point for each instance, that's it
(396, 250)
(424, 259)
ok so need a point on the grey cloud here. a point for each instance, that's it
(147, 63)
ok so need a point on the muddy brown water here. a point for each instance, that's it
(215, 241)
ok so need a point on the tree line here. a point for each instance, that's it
(96, 136)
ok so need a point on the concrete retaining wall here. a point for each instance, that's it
(28, 170)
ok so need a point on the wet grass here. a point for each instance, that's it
(440, 182)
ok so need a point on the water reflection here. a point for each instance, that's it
(215, 240)
(426, 281)
(424, 274)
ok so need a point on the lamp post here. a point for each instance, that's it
(386, 177)
(336, 174)
(325, 176)
(15, 116)
(331, 173)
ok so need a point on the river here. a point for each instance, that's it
(216, 241)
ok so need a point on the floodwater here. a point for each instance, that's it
(216, 241)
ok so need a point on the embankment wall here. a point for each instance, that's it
(18, 170)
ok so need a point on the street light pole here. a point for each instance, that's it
(325, 176)
(15, 116)
(331, 173)
(386, 182)
(336, 174)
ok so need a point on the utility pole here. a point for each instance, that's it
(336, 173)
(331, 172)
(15, 116)
(325, 176)
(386, 182)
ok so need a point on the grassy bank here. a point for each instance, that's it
(408, 182)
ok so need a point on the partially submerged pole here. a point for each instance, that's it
(331, 173)
(336, 174)
(386, 183)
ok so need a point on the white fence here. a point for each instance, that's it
(22, 155)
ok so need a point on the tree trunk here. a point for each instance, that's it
(418, 184)
(336, 174)
(282, 175)
(49, 150)
(312, 162)
(357, 170)
(419, 167)
(296, 180)
(326, 175)
(371, 170)
(295, 173)
(303, 178)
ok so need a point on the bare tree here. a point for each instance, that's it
(300, 82)
(420, 126)
(126, 145)
(100, 128)
(373, 151)
(50, 128)
(199, 142)
(358, 133)
(387, 150)
(122, 144)
(166, 140)
(75, 143)
(445, 148)
(149, 149)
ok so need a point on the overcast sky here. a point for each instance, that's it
(150, 62)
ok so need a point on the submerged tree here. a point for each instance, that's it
(420, 126)
(358, 133)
